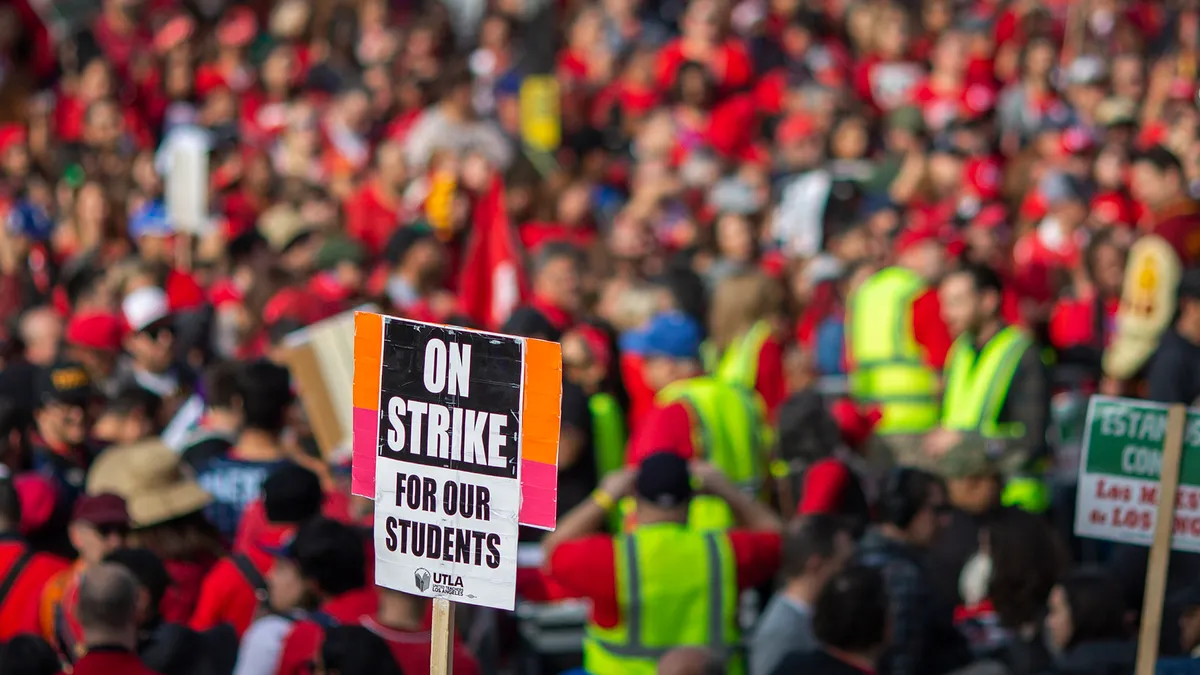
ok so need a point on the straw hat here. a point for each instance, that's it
(152, 480)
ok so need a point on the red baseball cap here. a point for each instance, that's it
(11, 135)
(824, 487)
(911, 237)
(96, 330)
(795, 128)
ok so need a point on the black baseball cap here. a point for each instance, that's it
(63, 382)
(664, 480)
(292, 494)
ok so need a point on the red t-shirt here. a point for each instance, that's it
(641, 396)
(664, 429)
(227, 597)
(730, 65)
(412, 649)
(585, 568)
(19, 608)
(930, 330)
(1073, 321)
(768, 379)
(887, 84)
(110, 662)
(371, 217)
(941, 107)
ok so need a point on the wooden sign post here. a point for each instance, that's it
(441, 654)
(1160, 549)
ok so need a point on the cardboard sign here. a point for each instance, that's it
(1120, 474)
(460, 429)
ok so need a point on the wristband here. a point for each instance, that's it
(603, 499)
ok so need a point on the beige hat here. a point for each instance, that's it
(282, 225)
(151, 479)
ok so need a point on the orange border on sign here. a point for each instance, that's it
(368, 359)
(541, 408)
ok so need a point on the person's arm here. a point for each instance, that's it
(1027, 404)
(747, 513)
(588, 517)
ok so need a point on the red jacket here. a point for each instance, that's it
(301, 644)
(19, 608)
(227, 597)
(105, 660)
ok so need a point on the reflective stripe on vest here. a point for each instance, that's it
(886, 362)
(738, 365)
(729, 430)
(675, 587)
(977, 384)
(608, 433)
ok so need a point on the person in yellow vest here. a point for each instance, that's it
(896, 344)
(664, 585)
(996, 387)
(696, 416)
(742, 349)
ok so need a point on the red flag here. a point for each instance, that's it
(493, 279)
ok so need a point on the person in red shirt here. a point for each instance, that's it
(1082, 321)
(231, 593)
(583, 561)
(23, 573)
(947, 94)
(318, 581)
(108, 612)
(703, 42)
(557, 295)
(373, 212)
(402, 621)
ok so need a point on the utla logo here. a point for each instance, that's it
(447, 580)
(422, 578)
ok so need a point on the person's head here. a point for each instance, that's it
(106, 605)
(354, 650)
(814, 549)
(1027, 558)
(739, 302)
(972, 478)
(221, 397)
(41, 331)
(266, 393)
(417, 255)
(325, 559)
(1104, 262)
(556, 276)
(970, 298)
(912, 505)
(93, 338)
(1066, 199)
(62, 396)
(920, 250)
(103, 124)
(10, 503)
(663, 489)
(1187, 320)
(586, 356)
(1157, 178)
(152, 577)
(1084, 607)
(389, 165)
(99, 525)
(28, 655)
(128, 417)
(151, 338)
(851, 612)
(292, 494)
(670, 345)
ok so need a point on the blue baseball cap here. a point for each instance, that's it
(31, 221)
(673, 335)
(151, 220)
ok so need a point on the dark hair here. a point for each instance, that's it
(851, 612)
(553, 251)
(354, 650)
(688, 69)
(1105, 237)
(814, 536)
(266, 393)
(191, 537)
(28, 655)
(10, 501)
(132, 399)
(147, 568)
(905, 493)
(331, 554)
(1160, 158)
(1097, 608)
(983, 277)
(1027, 559)
(221, 384)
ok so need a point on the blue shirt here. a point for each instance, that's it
(233, 483)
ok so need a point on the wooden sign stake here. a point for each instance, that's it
(441, 655)
(1160, 550)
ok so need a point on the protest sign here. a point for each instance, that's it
(1119, 474)
(461, 427)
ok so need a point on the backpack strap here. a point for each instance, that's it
(64, 636)
(14, 572)
(251, 574)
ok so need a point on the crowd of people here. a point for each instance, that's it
(830, 279)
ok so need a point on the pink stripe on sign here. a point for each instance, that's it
(365, 446)
(539, 494)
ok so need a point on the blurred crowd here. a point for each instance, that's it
(831, 280)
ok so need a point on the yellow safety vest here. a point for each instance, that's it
(976, 387)
(608, 440)
(729, 430)
(738, 365)
(675, 588)
(888, 368)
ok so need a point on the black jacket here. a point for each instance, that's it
(172, 649)
(1096, 658)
